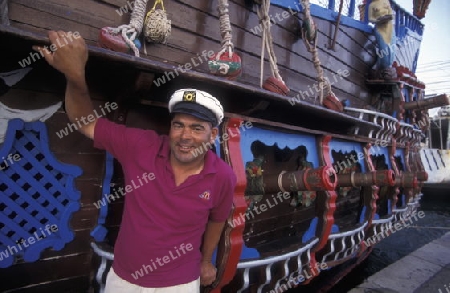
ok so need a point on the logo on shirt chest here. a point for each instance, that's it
(205, 195)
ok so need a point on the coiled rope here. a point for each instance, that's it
(132, 30)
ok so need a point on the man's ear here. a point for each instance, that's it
(214, 133)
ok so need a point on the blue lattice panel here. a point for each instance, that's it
(37, 195)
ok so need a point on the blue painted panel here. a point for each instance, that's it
(379, 150)
(282, 140)
(270, 138)
(37, 195)
(347, 147)
(400, 153)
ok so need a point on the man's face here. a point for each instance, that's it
(188, 137)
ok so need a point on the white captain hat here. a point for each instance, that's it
(196, 103)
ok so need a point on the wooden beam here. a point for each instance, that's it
(4, 19)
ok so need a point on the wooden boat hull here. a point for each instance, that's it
(315, 186)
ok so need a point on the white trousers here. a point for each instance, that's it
(115, 284)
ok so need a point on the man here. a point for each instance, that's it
(172, 224)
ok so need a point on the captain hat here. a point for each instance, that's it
(196, 103)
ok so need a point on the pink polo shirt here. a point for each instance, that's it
(162, 224)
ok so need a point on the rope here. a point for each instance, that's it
(267, 41)
(225, 29)
(311, 45)
(130, 31)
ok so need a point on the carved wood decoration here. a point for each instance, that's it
(230, 245)
(370, 194)
(326, 200)
(409, 191)
(393, 192)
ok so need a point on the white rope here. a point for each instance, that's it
(267, 41)
(133, 29)
(225, 29)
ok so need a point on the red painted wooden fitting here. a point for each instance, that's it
(379, 178)
(407, 179)
(275, 85)
(330, 101)
(112, 42)
(422, 176)
(227, 67)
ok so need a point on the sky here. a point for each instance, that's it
(434, 58)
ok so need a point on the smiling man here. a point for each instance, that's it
(172, 224)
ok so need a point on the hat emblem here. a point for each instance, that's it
(189, 96)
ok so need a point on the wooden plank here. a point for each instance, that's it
(4, 19)
(85, 218)
(67, 285)
(171, 52)
(117, 3)
(89, 13)
(80, 244)
(216, 85)
(90, 163)
(44, 271)
(284, 36)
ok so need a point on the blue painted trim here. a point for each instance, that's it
(311, 232)
(389, 207)
(282, 140)
(100, 231)
(246, 254)
(32, 204)
(324, 13)
(334, 229)
(249, 253)
(347, 147)
(218, 145)
(363, 213)
(351, 8)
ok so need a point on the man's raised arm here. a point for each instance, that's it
(70, 59)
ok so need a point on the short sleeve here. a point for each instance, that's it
(221, 210)
(119, 139)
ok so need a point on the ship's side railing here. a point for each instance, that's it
(379, 227)
(387, 123)
(355, 14)
(266, 264)
(408, 134)
(403, 20)
(349, 242)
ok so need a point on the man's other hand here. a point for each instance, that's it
(207, 273)
(67, 53)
